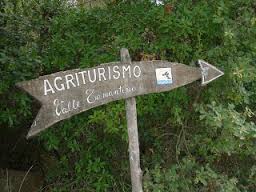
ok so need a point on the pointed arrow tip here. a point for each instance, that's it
(209, 72)
(28, 136)
(32, 132)
(24, 85)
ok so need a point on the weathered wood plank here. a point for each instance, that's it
(134, 151)
(66, 93)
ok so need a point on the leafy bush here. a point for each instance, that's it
(188, 176)
(192, 139)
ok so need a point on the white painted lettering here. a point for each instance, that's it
(89, 98)
(137, 71)
(109, 73)
(116, 72)
(47, 87)
(92, 80)
(77, 79)
(62, 87)
(83, 75)
(69, 80)
(101, 73)
(127, 69)
(64, 107)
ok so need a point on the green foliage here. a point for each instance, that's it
(227, 130)
(187, 176)
(191, 139)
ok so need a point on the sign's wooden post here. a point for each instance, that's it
(134, 151)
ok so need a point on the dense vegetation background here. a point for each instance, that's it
(191, 139)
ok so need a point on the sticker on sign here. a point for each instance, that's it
(164, 76)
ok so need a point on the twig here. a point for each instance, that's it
(18, 140)
(178, 145)
(7, 184)
(167, 134)
(185, 142)
(25, 177)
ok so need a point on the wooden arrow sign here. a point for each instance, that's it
(64, 94)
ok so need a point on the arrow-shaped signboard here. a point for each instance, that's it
(64, 94)
(67, 93)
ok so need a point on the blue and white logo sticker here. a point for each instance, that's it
(164, 76)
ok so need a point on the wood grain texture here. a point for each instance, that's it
(93, 94)
(134, 151)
